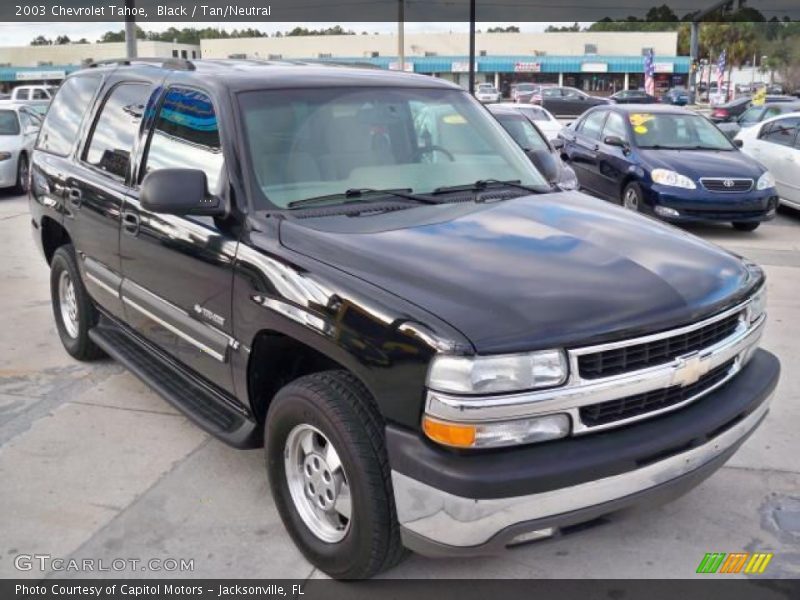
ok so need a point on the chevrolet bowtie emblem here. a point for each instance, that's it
(689, 370)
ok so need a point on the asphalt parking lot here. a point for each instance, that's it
(95, 465)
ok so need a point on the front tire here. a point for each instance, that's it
(632, 197)
(330, 477)
(73, 310)
(746, 226)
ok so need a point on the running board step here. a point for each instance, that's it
(210, 408)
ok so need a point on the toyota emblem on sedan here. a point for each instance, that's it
(728, 183)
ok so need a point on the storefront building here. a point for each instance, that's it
(598, 75)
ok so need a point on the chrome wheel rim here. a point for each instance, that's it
(68, 304)
(318, 483)
(631, 199)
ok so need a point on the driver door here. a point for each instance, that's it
(177, 270)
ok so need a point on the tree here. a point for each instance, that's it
(62, 39)
(40, 40)
(783, 57)
(509, 29)
(554, 29)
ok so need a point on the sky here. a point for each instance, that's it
(21, 34)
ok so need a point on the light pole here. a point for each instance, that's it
(130, 29)
(471, 46)
(401, 34)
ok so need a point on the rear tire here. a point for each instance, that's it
(73, 310)
(747, 226)
(22, 184)
(331, 414)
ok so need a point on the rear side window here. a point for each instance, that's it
(9, 125)
(60, 127)
(186, 135)
(23, 94)
(115, 129)
(782, 131)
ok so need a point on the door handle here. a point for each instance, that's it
(75, 196)
(130, 222)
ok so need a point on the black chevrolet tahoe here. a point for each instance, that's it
(362, 271)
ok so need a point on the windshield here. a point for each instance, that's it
(486, 89)
(9, 123)
(677, 131)
(307, 143)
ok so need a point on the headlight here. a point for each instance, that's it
(758, 304)
(568, 180)
(766, 181)
(495, 374)
(497, 434)
(672, 179)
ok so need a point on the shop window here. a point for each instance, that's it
(590, 48)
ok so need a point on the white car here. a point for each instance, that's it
(775, 143)
(486, 92)
(19, 126)
(542, 118)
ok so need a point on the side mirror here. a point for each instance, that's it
(738, 143)
(179, 192)
(557, 143)
(615, 140)
(547, 164)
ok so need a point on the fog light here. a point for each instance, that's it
(666, 211)
(496, 434)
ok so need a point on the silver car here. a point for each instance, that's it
(19, 126)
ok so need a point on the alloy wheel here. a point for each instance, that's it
(68, 303)
(318, 483)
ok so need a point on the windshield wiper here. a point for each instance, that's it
(483, 184)
(356, 194)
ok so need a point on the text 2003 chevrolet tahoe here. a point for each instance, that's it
(361, 270)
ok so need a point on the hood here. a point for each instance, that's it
(703, 163)
(552, 270)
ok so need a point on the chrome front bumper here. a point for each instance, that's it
(436, 522)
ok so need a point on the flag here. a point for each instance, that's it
(721, 63)
(649, 73)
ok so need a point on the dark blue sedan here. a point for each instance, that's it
(669, 162)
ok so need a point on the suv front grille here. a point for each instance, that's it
(723, 184)
(632, 406)
(615, 361)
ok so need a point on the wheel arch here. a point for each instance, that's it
(277, 358)
(54, 235)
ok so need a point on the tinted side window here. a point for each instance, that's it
(592, 125)
(615, 125)
(115, 129)
(783, 132)
(23, 94)
(186, 135)
(39, 94)
(60, 127)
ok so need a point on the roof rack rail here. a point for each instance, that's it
(175, 64)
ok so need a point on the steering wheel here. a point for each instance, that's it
(436, 148)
